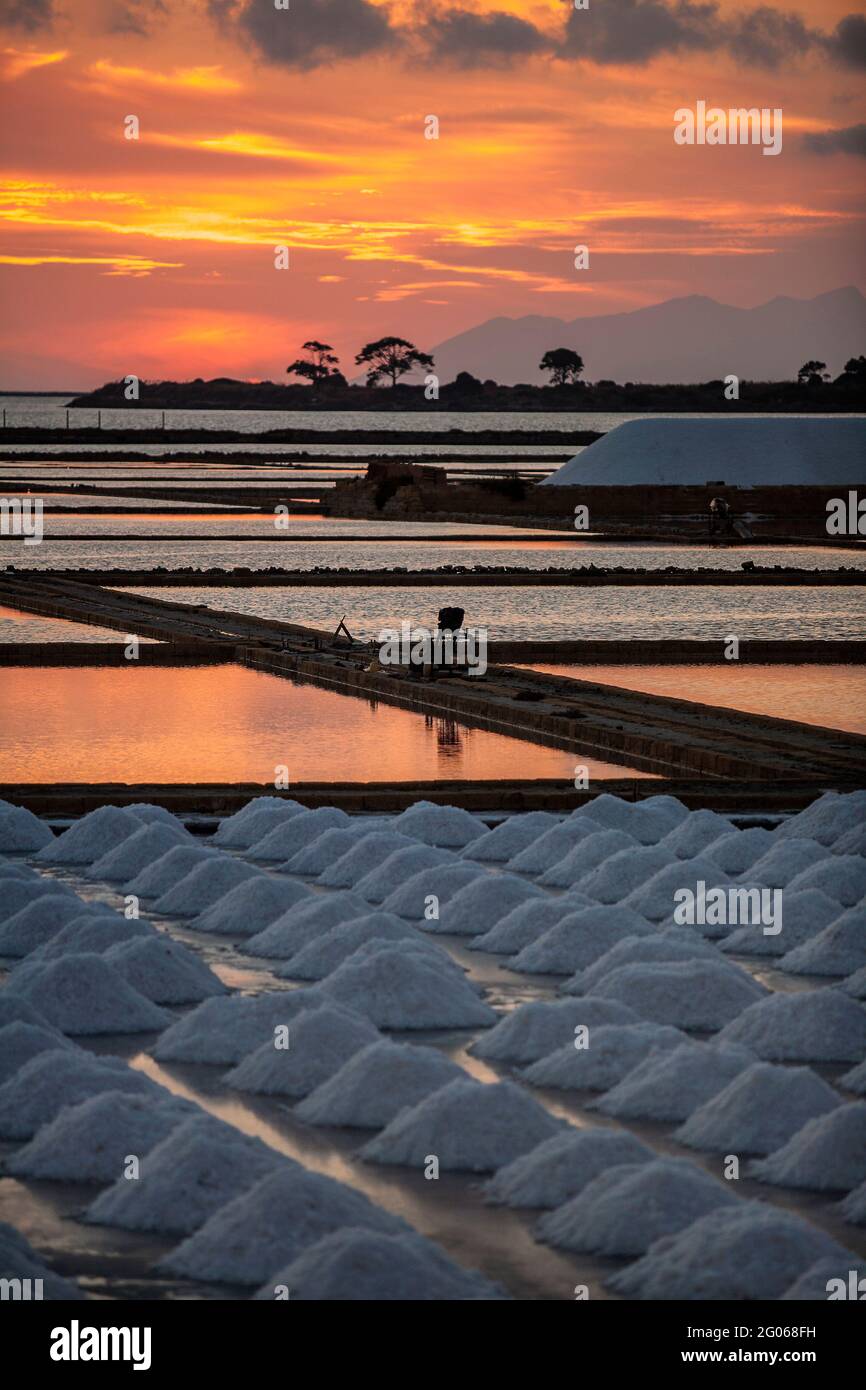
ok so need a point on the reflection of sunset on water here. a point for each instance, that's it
(230, 724)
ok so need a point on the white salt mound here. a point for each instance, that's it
(840, 876)
(38, 922)
(307, 921)
(399, 987)
(672, 944)
(164, 971)
(828, 1154)
(367, 853)
(18, 1260)
(290, 836)
(614, 1050)
(855, 1079)
(480, 905)
(822, 1025)
(740, 849)
(249, 1239)
(852, 842)
(320, 1040)
(614, 878)
(609, 812)
(574, 868)
(448, 827)
(21, 832)
(669, 1087)
(250, 906)
(855, 985)
(9, 869)
(21, 1041)
(746, 1250)
(698, 993)
(328, 950)
(853, 1208)
(410, 899)
(41, 1087)
(150, 814)
(578, 940)
(400, 866)
(804, 915)
(198, 1167)
(372, 1087)
(695, 834)
(15, 1010)
(19, 892)
(561, 1167)
(539, 1027)
(815, 1284)
(223, 1030)
(168, 870)
(552, 846)
(417, 945)
(625, 1209)
(509, 838)
(784, 862)
(254, 821)
(467, 1125)
(89, 1142)
(325, 850)
(91, 837)
(93, 931)
(759, 1111)
(839, 949)
(655, 900)
(528, 922)
(354, 1264)
(136, 852)
(203, 886)
(84, 995)
(827, 819)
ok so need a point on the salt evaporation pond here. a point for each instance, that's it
(223, 723)
(17, 626)
(546, 614)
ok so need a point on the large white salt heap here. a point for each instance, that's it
(90, 1141)
(655, 900)
(667, 1088)
(696, 833)
(324, 851)
(467, 1125)
(137, 851)
(447, 827)
(372, 1087)
(400, 987)
(94, 930)
(21, 832)
(828, 1154)
(203, 886)
(84, 995)
(253, 1237)
(578, 940)
(480, 905)
(540, 1027)
(528, 922)
(168, 870)
(574, 867)
(839, 949)
(853, 1208)
(224, 1029)
(822, 1025)
(327, 951)
(250, 906)
(738, 851)
(701, 994)
(307, 921)
(552, 846)
(194, 1171)
(33, 925)
(291, 835)
(252, 822)
(509, 838)
(613, 1050)
(623, 1210)
(827, 819)
(736, 451)
(399, 867)
(319, 1040)
(91, 837)
(759, 1111)
(356, 1264)
(18, 1260)
(51, 1080)
(163, 970)
(20, 1041)
(804, 915)
(614, 878)
(784, 861)
(672, 944)
(367, 853)
(19, 892)
(410, 899)
(557, 1170)
(840, 876)
(746, 1250)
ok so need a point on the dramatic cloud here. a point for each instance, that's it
(849, 140)
(635, 31)
(311, 34)
(768, 38)
(467, 40)
(26, 14)
(847, 44)
(133, 16)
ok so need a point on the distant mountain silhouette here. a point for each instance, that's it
(683, 340)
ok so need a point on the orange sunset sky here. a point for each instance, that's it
(305, 127)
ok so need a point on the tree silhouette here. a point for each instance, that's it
(813, 373)
(320, 363)
(564, 366)
(391, 358)
(855, 368)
